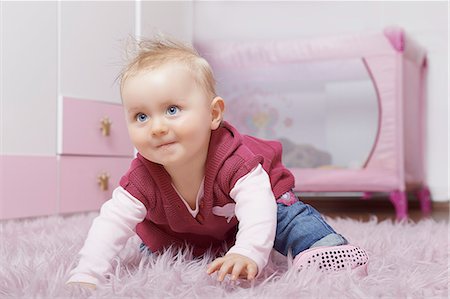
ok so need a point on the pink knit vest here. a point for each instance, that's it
(230, 157)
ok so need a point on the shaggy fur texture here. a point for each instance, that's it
(407, 260)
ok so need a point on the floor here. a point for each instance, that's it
(381, 207)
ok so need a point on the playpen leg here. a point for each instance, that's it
(367, 195)
(400, 202)
(424, 196)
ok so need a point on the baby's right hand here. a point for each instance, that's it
(85, 285)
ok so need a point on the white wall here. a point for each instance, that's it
(424, 21)
(173, 18)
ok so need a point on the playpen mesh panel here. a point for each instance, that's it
(324, 112)
(335, 102)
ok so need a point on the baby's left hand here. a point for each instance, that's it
(235, 264)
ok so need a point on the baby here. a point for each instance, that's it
(196, 181)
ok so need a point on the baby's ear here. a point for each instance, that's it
(217, 110)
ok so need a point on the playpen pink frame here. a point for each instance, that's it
(397, 67)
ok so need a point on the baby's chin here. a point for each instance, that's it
(152, 158)
(149, 158)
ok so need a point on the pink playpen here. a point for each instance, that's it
(349, 110)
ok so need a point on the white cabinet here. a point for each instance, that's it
(29, 81)
(29, 89)
(92, 41)
(51, 51)
(59, 64)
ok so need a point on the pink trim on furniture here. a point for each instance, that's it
(367, 195)
(384, 70)
(402, 44)
(400, 201)
(237, 55)
(396, 36)
(414, 113)
(28, 186)
(424, 197)
(422, 118)
(79, 183)
(400, 122)
(344, 180)
(82, 134)
(380, 113)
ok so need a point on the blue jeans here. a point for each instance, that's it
(300, 226)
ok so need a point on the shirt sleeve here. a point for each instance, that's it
(256, 211)
(108, 234)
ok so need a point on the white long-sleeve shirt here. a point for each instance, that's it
(119, 216)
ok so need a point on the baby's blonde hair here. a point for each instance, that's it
(154, 53)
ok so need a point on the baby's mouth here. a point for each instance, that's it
(162, 145)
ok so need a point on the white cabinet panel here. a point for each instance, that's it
(93, 37)
(29, 77)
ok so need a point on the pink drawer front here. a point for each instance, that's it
(84, 134)
(80, 181)
(28, 186)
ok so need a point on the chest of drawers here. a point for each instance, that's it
(95, 152)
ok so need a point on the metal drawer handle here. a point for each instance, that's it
(103, 181)
(105, 126)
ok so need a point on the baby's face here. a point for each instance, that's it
(168, 115)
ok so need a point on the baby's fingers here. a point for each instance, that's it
(226, 268)
(235, 265)
(215, 265)
(237, 270)
(252, 270)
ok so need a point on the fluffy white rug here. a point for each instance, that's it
(407, 260)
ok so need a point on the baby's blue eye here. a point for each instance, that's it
(172, 110)
(141, 117)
